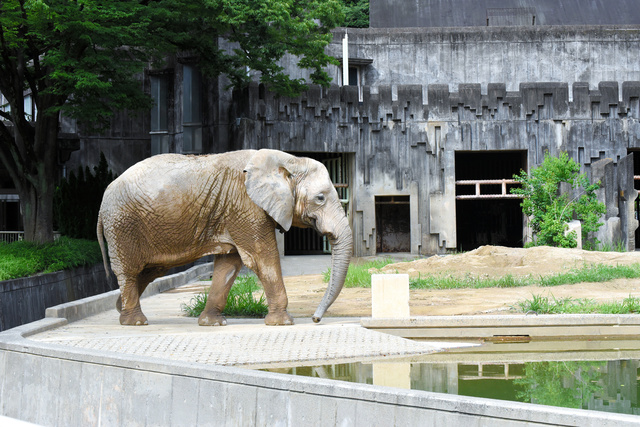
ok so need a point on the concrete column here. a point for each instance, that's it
(390, 296)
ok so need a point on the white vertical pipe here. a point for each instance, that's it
(345, 60)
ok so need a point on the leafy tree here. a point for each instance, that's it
(84, 59)
(549, 211)
(356, 13)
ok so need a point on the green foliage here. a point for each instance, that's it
(564, 384)
(86, 59)
(356, 13)
(241, 301)
(550, 211)
(22, 259)
(77, 200)
(89, 54)
(358, 275)
(263, 31)
(551, 305)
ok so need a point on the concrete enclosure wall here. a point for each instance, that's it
(404, 146)
(472, 13)
(508, 55)
(25, 300)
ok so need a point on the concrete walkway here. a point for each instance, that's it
(243, 342)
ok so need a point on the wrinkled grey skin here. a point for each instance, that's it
(172, 209)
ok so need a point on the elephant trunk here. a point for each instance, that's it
(341, 250)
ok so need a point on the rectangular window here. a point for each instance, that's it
(191, 110)
(159, 143)
(159, 114)
(4, 104)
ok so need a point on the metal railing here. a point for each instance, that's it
(478, 182)
(11, 236)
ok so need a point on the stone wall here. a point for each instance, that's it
(472, 13)
(404, 145)
(509, 55)
(25, 300)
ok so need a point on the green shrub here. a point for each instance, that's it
(241, 302)
(549, 211)
(77, 200)
(22, 259)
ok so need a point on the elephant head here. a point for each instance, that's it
(298, 191)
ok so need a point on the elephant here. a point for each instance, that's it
(172, 209)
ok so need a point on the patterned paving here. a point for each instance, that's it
(267, 346)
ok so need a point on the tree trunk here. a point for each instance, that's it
(36, 205)
(37, 185)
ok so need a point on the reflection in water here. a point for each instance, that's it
(610, 386)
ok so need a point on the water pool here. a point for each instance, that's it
(597, 375)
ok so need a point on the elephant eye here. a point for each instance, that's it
(320, 197)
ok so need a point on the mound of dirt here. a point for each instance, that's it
(495, 261)
(305, 292)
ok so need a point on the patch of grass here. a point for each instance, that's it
(551, 305)
(358, 275)
(592, 273)
(196, 304)
(241, 301)
(22, 259)
(468, 281)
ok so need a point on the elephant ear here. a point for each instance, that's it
(268, 184)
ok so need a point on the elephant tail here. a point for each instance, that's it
(100, 233)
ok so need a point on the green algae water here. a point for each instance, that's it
(607, 384)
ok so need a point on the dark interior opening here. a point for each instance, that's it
(393, 224)
(307, 241)
(488, 221)
(636, 185)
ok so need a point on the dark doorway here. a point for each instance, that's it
(636, 185)
(487, 214)
(393, 224)
(307, 241)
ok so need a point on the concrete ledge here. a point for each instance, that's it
(550, 326)
(80, 309)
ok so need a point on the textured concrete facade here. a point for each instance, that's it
(474, 13)
(403, 145)
(508, 55)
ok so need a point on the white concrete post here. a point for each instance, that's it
(390, 296)
(345, 60)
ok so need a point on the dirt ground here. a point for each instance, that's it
(305, 292)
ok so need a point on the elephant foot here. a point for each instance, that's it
(278, 318)
(207, 319)
(119, 304)
(133, 317)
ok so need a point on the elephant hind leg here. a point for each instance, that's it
(128, 303)
(130, 313)
(225, 271)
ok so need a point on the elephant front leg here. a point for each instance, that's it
(225, 271)
(270, 274)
